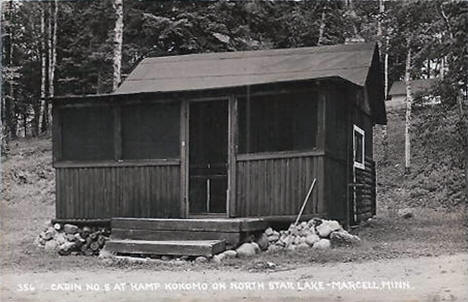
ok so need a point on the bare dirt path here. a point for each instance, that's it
(443, 278)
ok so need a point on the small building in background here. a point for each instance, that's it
(421, 89)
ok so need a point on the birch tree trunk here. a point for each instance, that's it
(43, 73)
(52, 55)
(321, 29)
(322, 24)
(409, 101)
(10, 113)
(118, 40)
(352, 13)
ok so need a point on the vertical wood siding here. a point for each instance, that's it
(278, 186)
(336, 185)
(104, 192)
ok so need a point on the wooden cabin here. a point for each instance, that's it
(238, 135)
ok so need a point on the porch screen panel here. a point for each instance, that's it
(87, 133)
(277, 123)
(150, 131)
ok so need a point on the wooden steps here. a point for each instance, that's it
(191, 237)
(205, 248)
(232, 231)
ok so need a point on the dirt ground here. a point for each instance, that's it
(442, 278)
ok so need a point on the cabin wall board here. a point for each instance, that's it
(278, 186)
(104, 192)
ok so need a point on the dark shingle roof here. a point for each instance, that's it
(233, 69)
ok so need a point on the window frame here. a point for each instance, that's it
(357, 164)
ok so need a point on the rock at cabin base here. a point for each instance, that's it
(256, 247)
(273, 248)
(201, 259)
(48, 234)
(263, 242)
(273, 238)
(343, 238)
(70, 229)
(230, 254)
(269, 231)
(104, 254)
(312, 239)
(322, 244)
(51, 246)
(328, 226)
(224, 255)
(246, 250)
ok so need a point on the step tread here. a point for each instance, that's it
(168, 242)
(167, 247)
(175, 224)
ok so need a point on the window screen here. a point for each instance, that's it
(87, 133)
(358, 144)
(277, 123)
(150, 131)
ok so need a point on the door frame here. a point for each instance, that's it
(185, 155)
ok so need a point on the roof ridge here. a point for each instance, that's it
(339, 48)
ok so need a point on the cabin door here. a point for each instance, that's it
(208, 157)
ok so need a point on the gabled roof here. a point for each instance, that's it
(233, 69)
(418, 86)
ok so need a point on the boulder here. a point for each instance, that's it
(224, 255)
(256, 247)
(322, 244)
(246, 250)
(343, 238)
(70, 229)
(297, 240)
(328, 226)
(273, 237)
(51, 246)
(103, 253)
(66, 248)
(60, 238)
(230, 254)
(269, 232)
(263, 242)
(48, 234)
(288, 240)
(314, 222)
(201, 259)
(218, 258)
(273, 248)
(303, 246)
(306, 232)
(293, 230)
(58, 226)
(312, 239)
(406, 213)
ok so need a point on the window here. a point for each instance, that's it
(87, 133)
(358, 147)
(277, 123)
(150, 131)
